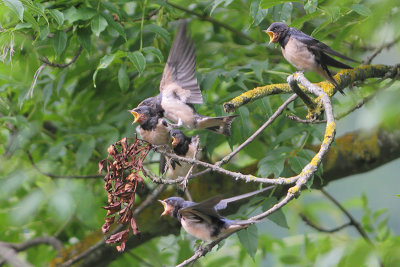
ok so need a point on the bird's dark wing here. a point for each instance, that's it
(180, 68)
(204, 209)
(329, 61)
(314, 44)
(224, 202)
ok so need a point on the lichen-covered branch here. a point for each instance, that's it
(344, 78)
(307, 172)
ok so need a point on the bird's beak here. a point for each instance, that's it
(135, 114)
(273, 37)
(175, 141)
(167, 208)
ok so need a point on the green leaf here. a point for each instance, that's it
(104, 62)
(286, 12)
(154, 51)
(16, 6)
(298, 23)
(163, 33)
(398, 195)
(270, 3)
(115, 25)
(362, 10)
(72, 14)
(290, 259)
(123, 78)
(297, 163)
(44, 31)
(249, 239)
(57, 16)
(30, 19)
(333, 12)
(138, 60)
(84, 38)
(311, 6)
(84, 152)
(98, 24)
(60, 41)
(278, 217)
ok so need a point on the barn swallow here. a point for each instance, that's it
(202, 220)
(179, 89)
(152, 128)
(304, 52)
(182, 146)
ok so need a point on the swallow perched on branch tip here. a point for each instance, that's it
(306, 53)
(202, 220)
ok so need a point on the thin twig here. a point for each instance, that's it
(378, 50)
(148, 16)
(185, 180)
(353, 221)
(321, 229)
(297, 119)
(18, 247)
(253, 136)
(46, 61)
(213, 21)
(55, 176)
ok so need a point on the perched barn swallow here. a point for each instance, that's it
(179, 89)
(304, 52)
(182, 146)
(152, 128)
(202, 220)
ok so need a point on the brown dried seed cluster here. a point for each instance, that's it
(124, 166)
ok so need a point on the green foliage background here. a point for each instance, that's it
(67, 117)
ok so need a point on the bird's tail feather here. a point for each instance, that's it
(333, 62)
(221, 125)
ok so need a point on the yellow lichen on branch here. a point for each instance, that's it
(344, 78)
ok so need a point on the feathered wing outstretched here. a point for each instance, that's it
(180, 69)
(224, 202)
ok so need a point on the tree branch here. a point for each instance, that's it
(213, 21)
(46, 61)
(353, 221)
(344, 78)
(307, 172)
(55, 176)
(319, 228)
(379, 49)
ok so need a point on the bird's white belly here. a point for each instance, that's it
(174, 109)
(299, 56)
(158, 136)
(198, 230)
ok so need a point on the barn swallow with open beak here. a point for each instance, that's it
(185, 147)
(304, 52)
(152, 128)
(202, 220)
(179, 89)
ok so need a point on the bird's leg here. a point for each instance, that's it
(177, 125)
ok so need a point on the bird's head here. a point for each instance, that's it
(177, 137)
(276, 31)
(141, 114)
(172, 205)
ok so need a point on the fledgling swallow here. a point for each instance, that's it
(179, 89)
(185, 147)
(152, 128)
(304, 52)
(202, 220)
